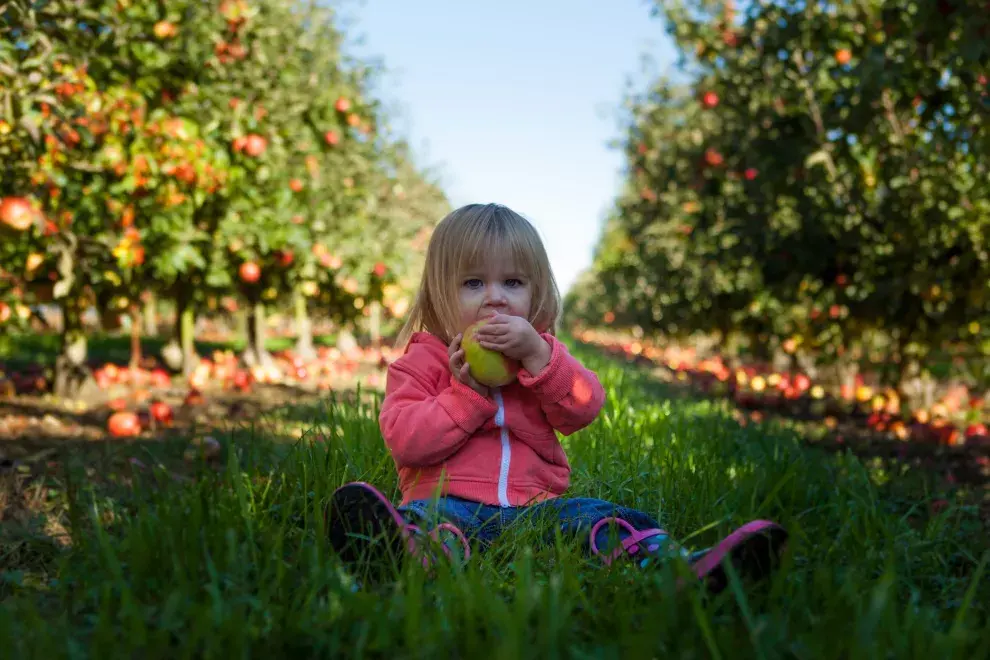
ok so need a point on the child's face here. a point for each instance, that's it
(497, 287)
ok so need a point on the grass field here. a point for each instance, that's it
(233, 562)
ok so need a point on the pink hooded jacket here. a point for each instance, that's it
(500, 450)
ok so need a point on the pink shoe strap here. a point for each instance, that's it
(410, 531)
(630, 544)
(435, 533)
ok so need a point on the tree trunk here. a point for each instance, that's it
(187, 337)
(782, 361)
(304, 328)
(242, 319)
(72, 378)
(376, 324)
(255, 354)
(804, 361)
(346, 341)
(184, 333)
(135, 337)
(846, 371)
(758, 349)
(150, 316)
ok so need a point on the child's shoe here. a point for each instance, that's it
(639, 544)
(754, 550)
(452, 542)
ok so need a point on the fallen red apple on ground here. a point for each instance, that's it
(161, 412)
(124, 425)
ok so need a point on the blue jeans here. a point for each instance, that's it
(572, 516)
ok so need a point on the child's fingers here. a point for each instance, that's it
(455, 344)
(457, 362)
(494, 334)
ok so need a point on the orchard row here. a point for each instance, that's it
(192, 151)
(820, 189)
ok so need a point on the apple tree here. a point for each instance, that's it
(818, 185)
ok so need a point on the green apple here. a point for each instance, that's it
(488, 367)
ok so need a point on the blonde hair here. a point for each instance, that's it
(464, 238)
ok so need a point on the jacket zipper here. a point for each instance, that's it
(503, 472)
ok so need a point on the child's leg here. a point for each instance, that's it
(453, 520)
(609, 530)
(753, 549)
(615, 531)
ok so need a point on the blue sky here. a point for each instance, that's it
(515, 101)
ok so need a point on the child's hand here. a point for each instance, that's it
(514, 337)
(460, 369)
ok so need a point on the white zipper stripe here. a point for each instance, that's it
(503, 472)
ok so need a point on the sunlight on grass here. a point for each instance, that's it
(236, 561)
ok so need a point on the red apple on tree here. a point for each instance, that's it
(165, 29)
(296, 185)
(709, 100)
(233, 11)
(255, 145)
(342, 105)
(16, 213)
(250, 272)
(332, 138)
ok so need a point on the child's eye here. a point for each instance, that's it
(512, 283)
(473, 283)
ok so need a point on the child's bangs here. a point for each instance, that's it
(496, 242)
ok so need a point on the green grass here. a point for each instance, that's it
(237, 565)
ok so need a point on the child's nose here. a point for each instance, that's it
(494, 295)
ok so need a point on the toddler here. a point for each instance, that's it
(472, 460)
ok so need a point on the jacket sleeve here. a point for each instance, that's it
(421, 427)
(570, 394)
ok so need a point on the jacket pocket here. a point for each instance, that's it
(546, 445)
